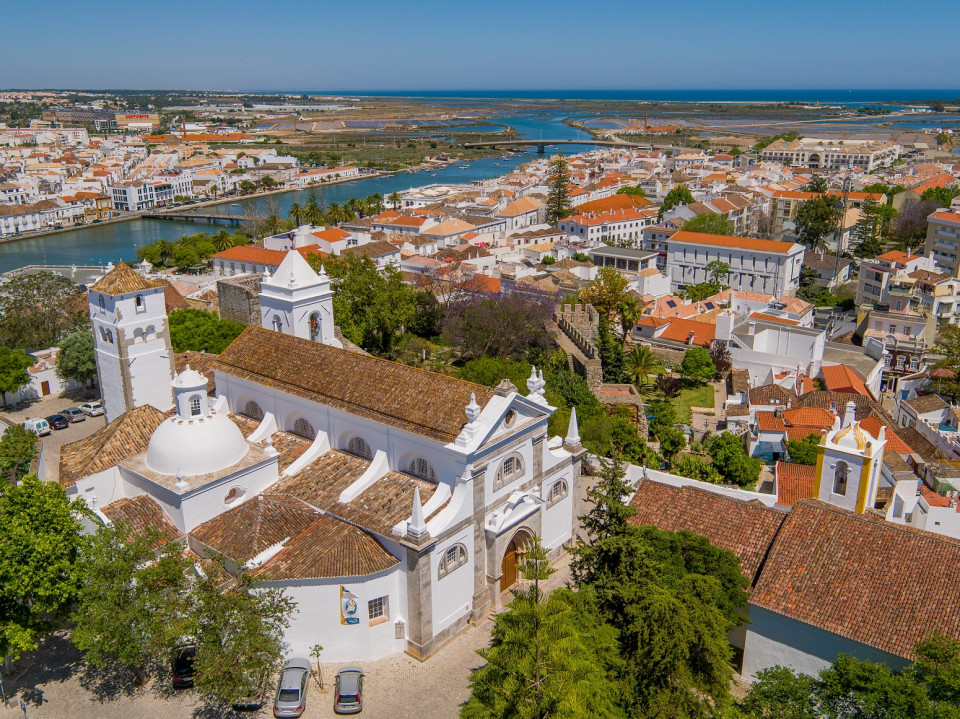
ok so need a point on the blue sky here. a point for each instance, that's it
(433, 44)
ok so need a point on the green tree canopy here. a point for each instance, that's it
(372, 307)
(731, 460)
(132, 606)
(39, 310)
(804, 451)
(697, 365)
(610, 350)
(77, 359)
(201, 331)
(679, 195)
(13, 371)
(490, 371)
(508, 327)
(39, 545)
(710, 223)
(18, 447)
(943, 196)
(817, 218)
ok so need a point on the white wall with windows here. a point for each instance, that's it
(316, 620)
(452, 570)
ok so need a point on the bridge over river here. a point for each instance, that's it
(541, 144)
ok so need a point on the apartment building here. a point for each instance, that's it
(943, 240)
(619, 227)
(831, 154)
(768, 266)
(133, 196)
(786, 202)
(877, 274)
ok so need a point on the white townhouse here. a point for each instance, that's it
(620, 227)
(391, 503)
(768, 266)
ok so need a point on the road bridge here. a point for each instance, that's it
(193, 217)
(541, 144)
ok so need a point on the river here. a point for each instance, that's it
(98, 244)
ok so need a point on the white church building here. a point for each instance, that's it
(391, 503)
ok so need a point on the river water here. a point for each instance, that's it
(98, 244)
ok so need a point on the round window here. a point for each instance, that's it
(234, 495)
(510, 418)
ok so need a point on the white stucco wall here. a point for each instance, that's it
(773, 639)
(316, 619)
(452, 596)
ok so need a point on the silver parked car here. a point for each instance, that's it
(93, 409)
(348, 694)
(292, 692)
(74, 414)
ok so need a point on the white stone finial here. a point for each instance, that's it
(473, 409)
(573, 431)
(181, 482)
(532, 380)
(417, 526)
(849, 414)
(266, 273)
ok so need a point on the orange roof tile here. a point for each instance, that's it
(680, 330)
(895, 442)
(773, 318)
(740, 243)
(770, 422)
(794, 482)
(841, 378)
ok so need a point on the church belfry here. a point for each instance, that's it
(297, 301)
(131, 341)
(849, 461)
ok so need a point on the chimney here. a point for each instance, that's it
(849, 413)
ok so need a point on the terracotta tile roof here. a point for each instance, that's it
(327, 548)
(919, 444)
(745, 528)
(809, 417)
(946, 216)
(901, 258)
(122, 280)
(739, 243)
(737, 410)
(126, 436)
(199, 361)
(520, 207)
(290, 446)
(740, 380)
(388, 501)
(405, 397)
(371, 249)
(142, 512)
(771, 394)
(845, 573)
(681, 329)
(614, 202)
(770, 422)
(794, 482)
(262, 256)
(895, 442)
(244, 532)
(171, 297)
(837, 402)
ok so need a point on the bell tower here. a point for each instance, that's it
(849, 461)
(131, 341)
(297, 301)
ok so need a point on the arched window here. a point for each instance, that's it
(234, 495)
(840, 478)
(150, 333)
(315, 327)
(511, 469)
(359, 447)
(277, 323)
(419, 467)
(302, 428)
(101, 302)
(453, 557)
(110, 336)
(138, 335)
(252, 410)
(195, 406)
(141, 305)
(558, 490)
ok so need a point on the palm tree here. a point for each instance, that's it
(164, 248)
(630, 311)
(222, 240)
(641, 363)
(273, 224)
(395, 200)
(296, 214)
(374, 203)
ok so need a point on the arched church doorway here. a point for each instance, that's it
(513, 558)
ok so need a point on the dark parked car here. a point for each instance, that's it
(183, 671)
(348, 694)
(58, 421)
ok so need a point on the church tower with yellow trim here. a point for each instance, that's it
(849, 461)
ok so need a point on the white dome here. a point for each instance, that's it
(197, 445)
(189, 379)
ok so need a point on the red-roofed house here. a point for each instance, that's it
(793, 482)
(254, 260)
(841, 378)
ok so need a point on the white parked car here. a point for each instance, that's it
(94, 409)
(37, 425)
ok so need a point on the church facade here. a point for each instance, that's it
(392, 504)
